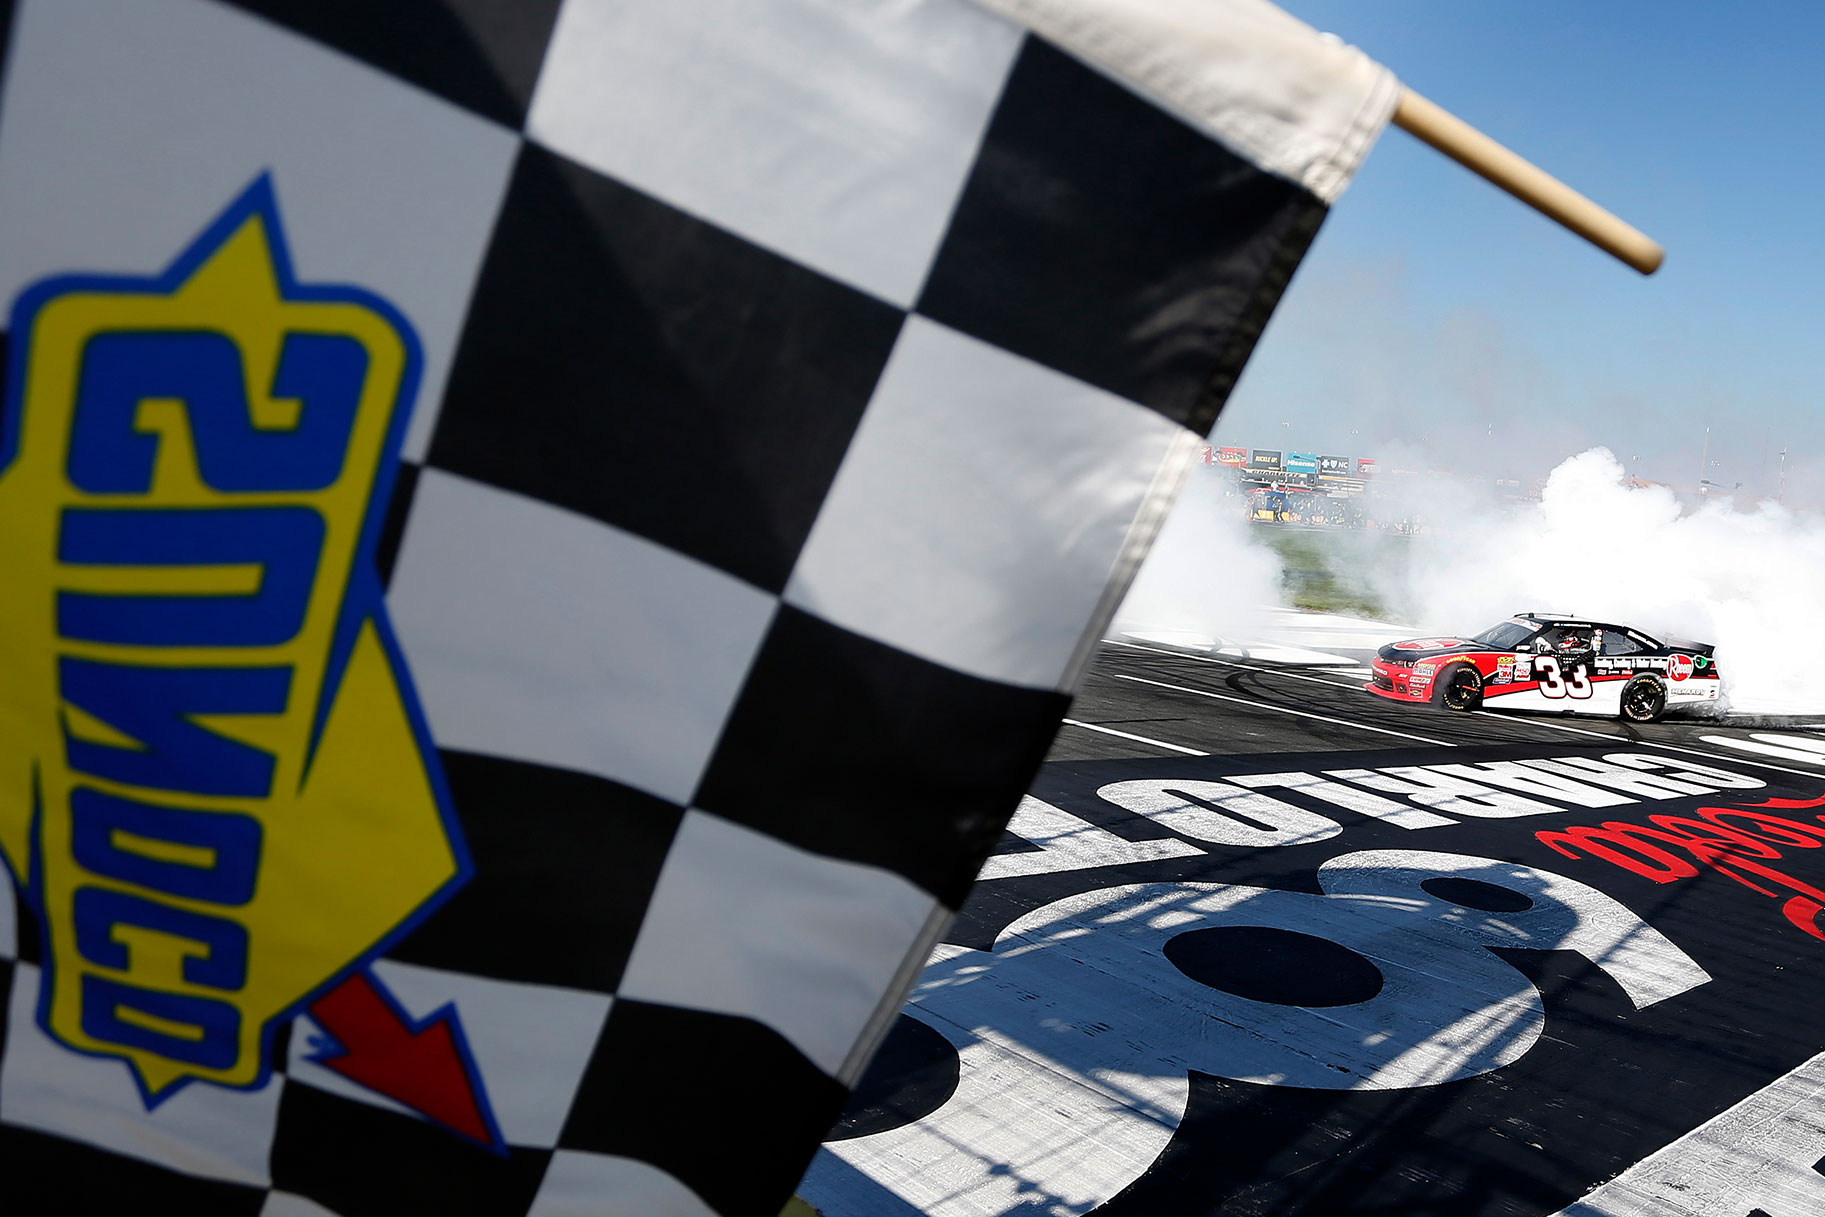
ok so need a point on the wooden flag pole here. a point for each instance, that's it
(1546, 194)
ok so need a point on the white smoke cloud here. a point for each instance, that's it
(1750, 581)
(1203, 578)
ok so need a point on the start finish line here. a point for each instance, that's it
(1461, 980)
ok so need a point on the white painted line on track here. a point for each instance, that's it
(1230, 663)
(1261, 705)
(1511, 719)
(1759, 1150)
(1139, 739)
(1641, 743)
(1787, 747)
(1534, 722)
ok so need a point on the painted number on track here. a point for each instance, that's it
(1083, 1021)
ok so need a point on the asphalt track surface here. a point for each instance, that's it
(1164, 999)
(1235, 707)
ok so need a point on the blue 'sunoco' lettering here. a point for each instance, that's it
(154, 706)
(188, 854)
(284, 542)
(214, 1027)
(229, 840)
(203, 370)
(221, 964)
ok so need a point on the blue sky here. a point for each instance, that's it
(1436, 311)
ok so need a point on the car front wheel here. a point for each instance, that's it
(1644, 700)
(1462, 688)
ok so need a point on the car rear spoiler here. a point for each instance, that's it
(1686, 644)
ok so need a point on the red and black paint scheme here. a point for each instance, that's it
(1551, 661)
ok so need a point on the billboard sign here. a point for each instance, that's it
(1233, 457)
(1262, 459)
(1332, 467)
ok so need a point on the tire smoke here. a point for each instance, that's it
(1751, 581)
(1204, 578)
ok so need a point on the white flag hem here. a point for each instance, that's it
(1298, 104)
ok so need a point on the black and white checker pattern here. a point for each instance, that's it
(799, 378)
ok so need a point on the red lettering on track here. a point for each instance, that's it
(1737, 841)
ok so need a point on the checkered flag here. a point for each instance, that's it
(580, 765)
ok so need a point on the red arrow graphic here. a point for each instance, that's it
(424, 1065)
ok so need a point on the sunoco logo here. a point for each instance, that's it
(215, 787)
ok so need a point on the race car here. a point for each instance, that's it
(1550, 661)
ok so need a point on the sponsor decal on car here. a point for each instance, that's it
(1429, 644)
(1680, 667)
(1504, 670)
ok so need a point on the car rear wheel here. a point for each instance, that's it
(1462, 688)
(1644, 700)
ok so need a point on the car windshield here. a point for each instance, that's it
(1505, 637)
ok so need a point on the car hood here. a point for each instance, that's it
(1411, 649)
